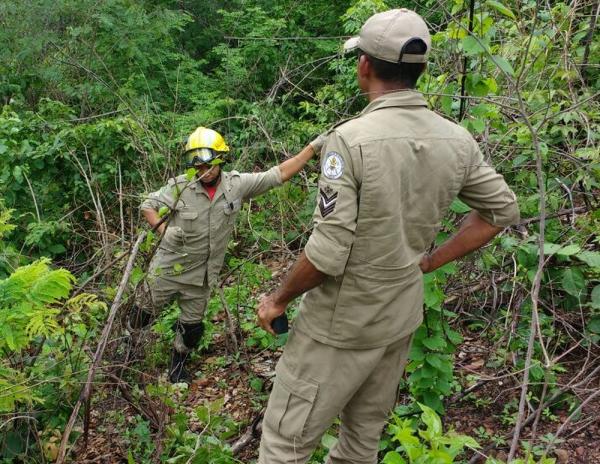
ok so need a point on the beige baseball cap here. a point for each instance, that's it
(384, 36)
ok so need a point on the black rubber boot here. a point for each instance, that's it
(138, 319)
(177, 372)
(187, 337)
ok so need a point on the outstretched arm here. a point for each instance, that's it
(473, 233)
(294, 165)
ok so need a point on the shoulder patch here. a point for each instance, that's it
(333, 165)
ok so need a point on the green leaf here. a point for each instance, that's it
(432, 399)
(478, 125)
(416, 353)
(177, 268)
(328, 441)
(500, 8)
(472, 46)
(591, 258)
(569, 250)
(18, 174)
(256, 384)
(573, 281)
(190, 174)
(203, 414)
(458, 206)
(434, 343)
(454, 336)
(56, 249)
(551, 248)
(504, 65)
(434, 360)
(137, 274)
(392, 457)
(594, 325)
(477, 85)
(163, 211)
(595, 297)
(431, 420)
(216, 405)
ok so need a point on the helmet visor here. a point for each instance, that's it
(202, 156)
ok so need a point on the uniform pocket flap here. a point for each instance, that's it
(189, 215)
(231, 207)
(296, 386)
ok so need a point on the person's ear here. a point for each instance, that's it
(364, 66)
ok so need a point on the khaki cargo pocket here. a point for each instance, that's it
(188, 218)
(290, 404)
(172, 239)
(231, 210)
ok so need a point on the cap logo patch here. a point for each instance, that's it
(327, 201)
(333, 166)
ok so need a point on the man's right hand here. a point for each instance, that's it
(268, 309)
(425, 263)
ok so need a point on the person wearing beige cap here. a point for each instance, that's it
(388, 178)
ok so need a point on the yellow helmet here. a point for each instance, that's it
(203, 146)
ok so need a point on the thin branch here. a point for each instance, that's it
(87, 388)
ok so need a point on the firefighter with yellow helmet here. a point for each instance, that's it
(194, 239)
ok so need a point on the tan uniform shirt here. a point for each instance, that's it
(388, 178)
(194, 244)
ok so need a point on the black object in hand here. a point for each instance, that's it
(280, 324)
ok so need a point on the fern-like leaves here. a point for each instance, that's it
(27, 297)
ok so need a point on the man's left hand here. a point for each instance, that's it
(268, 310)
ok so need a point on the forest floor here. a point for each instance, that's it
(240, 386)
(480, 414)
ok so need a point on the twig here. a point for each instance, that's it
(570, 194)
(252, 432)
(463, 78)
(230, 322)
(562, 212)
(590, 36)
(35, 203)
(473, 289)
(114, 261)
(542, 406)
(96, 116)
(149, 414)
(573, 414)
(535, 289)
(122, 217)
(87, 388)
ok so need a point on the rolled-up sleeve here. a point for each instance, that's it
(160, 198)
(487, 192)
(336, 213)
(254, 184)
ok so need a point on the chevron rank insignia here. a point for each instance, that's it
(327, 200)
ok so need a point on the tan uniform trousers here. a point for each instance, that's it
(317, 382)
(192, 299)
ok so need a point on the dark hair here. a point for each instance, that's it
(405, 74)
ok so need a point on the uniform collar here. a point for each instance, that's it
(197, 186)
(398, 98)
